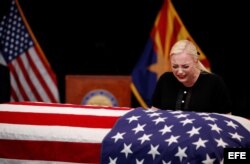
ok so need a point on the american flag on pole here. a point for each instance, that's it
(172, 137)
(32, 78)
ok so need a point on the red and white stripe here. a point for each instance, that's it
(54, 132)
(32, 79)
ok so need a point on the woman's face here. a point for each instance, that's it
(183, 67)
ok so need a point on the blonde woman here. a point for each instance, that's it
(189, 86)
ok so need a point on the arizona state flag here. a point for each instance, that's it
(168, 28)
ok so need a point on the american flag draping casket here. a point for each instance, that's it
(64, 133)
(54, 133)
(163, 137)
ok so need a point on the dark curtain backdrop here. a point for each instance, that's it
(107, 37)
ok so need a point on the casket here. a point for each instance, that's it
(65, 133)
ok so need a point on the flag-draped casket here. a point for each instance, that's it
(42, 132)
(66, 133)
(166, 136)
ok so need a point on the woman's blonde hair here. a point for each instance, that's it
(189, 48)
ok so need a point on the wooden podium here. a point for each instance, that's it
(98, 90)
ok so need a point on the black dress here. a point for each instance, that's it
(208, 94)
